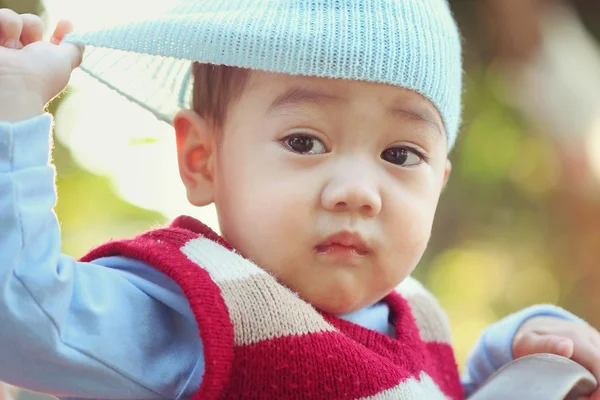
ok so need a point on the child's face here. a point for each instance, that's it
(322, 183)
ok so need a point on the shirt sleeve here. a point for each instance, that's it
(112, 329)
(493, 350)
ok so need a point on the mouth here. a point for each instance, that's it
(345, 244)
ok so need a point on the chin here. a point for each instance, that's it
(339, 294)
(340, 303)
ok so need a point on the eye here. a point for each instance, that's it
(403, 156)
(304, 144)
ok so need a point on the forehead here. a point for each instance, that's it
(283, 91)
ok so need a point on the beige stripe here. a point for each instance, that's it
(431, 319)
(261, 308)
(412, 389)
(221, 263)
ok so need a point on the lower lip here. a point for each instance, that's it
(340, 250)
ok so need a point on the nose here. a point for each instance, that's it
(352, 193)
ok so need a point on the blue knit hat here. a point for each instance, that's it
(414, 44)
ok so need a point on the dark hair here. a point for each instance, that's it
(216, 87)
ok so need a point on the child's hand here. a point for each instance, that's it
(573, 340)
(32, 72)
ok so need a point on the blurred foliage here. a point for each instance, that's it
(23, 6)
(89, 210)
(510, 232)
(503, 237)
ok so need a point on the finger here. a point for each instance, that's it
(10, 28)
(593, 396)
(534, 343)
(62, 28)
(588, 356)
(33, 29)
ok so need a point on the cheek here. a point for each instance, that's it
(259, 205)
(409, 223)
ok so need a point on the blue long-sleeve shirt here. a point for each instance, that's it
(117, 328)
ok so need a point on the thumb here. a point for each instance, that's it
(73, 52)
(533, 343)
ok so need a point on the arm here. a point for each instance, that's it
(493, 350)
(113, 329)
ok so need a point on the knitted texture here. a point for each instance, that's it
(414, 44)
(261, 341)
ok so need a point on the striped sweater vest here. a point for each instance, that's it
(261, 341)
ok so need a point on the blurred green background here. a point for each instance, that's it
(519, 222)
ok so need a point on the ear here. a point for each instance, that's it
(447, 171)
(196, 147)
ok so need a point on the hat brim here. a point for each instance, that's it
(149, 62)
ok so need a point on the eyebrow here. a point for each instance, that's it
(426, 117)
(298, 95)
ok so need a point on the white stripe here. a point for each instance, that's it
(412, 389)
(221, 263)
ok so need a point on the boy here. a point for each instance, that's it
(336, 212)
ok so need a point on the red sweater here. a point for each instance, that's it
(261, 341)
